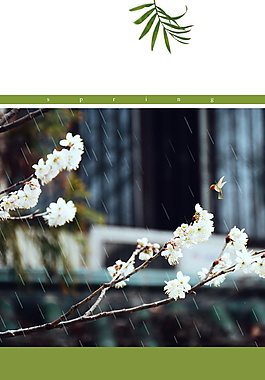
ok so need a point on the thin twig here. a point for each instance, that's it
(17, 184)
(108, 285)
(29, 216)
(23, 119)
(7, 116)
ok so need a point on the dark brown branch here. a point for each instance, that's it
(62, 322)
(7, 116)
(17, 184)
(23, 119)
(106, 286)
(48, 326)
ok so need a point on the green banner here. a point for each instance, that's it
(131, 99)
(131, 363)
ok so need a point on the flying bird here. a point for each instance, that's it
(218, 187)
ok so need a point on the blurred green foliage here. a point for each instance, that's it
(20, 149)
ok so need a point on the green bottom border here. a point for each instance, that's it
(131, 363)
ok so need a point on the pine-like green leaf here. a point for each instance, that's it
(178, 32)
(155, 33)
(173, 26)
(169, 17)
(166, 40)
(144, 16)
(148, 26)
(182, 38)
(164, 14)
(141, 7)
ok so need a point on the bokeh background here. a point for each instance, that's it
(142, 173)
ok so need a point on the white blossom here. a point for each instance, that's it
(72, 141)
(24, 198)
(258, 266)
(146, 249)
(4, 214)
(178, 287)
(60, 213)
(121, 269)
(68, 158)
(215, 281)
(244, 260)
(237, 239)
(172, 254)
(198, 231)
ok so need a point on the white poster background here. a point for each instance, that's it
(92, 47)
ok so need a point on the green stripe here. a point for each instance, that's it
(105, 363)
(130, 99)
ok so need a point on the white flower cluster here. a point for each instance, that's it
(223, 263)
(145, 249)
(172, 252)
(121, 269)
(24, 198)
(237, 254)
(67, 158)
(60, 213)
(187, 235)
(178, 287)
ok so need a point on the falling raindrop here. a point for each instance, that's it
(235, 285)
(41, 284)
(216, 312)
(40, 311)
(65, 330)
(9, 180)
(188, 124)
(3, 321)
(146, 327)
(195, 303)
(105, 208)
(59, 117)
(178, 322)
(25, 158)
(125, 295)
(255, 315)
(191, 154)
(234, 153)
(210, 137)
(240, 329)
(27, 148)
(105, 132)
(238, 186)
(197, 329)
(88, 128)
(37, 126)
(101, 114)
(165, 211)
(131, 323)
(21, 279)
(191, 191)
(20, 303)
(120, 136)
(169, 163)
(65, 280)
(172, 146)
(47, 274)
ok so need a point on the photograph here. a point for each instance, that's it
(132, 227)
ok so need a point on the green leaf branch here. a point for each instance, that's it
(170, 26)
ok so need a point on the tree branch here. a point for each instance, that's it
(4, 119)
(16, 184)
(23, 119)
